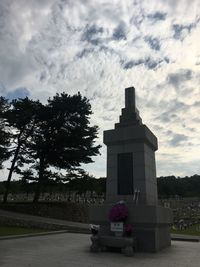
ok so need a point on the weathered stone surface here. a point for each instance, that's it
(131, 176)
(130, 135)
(103, 242)
(150, 224)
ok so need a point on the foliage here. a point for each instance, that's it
(171, 186)
(57, 135)
(21, 120)
(193, 230)
(81, 182)
(73, 183)
(4, 133)
(167, 186)
(63, 137)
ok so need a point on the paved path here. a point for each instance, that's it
(72, 250)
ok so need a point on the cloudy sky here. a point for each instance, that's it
(100, 47)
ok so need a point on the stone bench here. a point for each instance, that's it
(127, 244)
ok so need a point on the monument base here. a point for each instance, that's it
(127, 245)
(151, 225)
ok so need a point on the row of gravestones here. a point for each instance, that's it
(88, 197)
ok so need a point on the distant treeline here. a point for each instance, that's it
(184, 187)
(169, 186)
(79, 185)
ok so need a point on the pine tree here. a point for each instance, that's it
(63, 138)
(4, 132)
(21, 119)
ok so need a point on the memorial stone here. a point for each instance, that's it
(131, 177)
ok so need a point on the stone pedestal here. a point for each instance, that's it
(131, 177)
(103, 243)
(150, 225)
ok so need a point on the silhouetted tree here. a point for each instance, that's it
(4, 133)
(63, 137)
(21, 119)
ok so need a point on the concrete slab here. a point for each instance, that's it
(73, 250)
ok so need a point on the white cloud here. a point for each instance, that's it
(101, 47)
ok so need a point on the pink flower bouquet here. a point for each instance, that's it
(118, 212)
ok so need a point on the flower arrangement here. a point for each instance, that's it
(128, 229)
(119, 212)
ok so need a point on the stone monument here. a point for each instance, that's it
(131, 177)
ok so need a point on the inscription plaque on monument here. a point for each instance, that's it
(125, 173)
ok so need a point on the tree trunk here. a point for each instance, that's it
(5, 197)
(40, 181)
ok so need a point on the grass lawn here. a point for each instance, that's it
(193, 230)
(14, 230)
